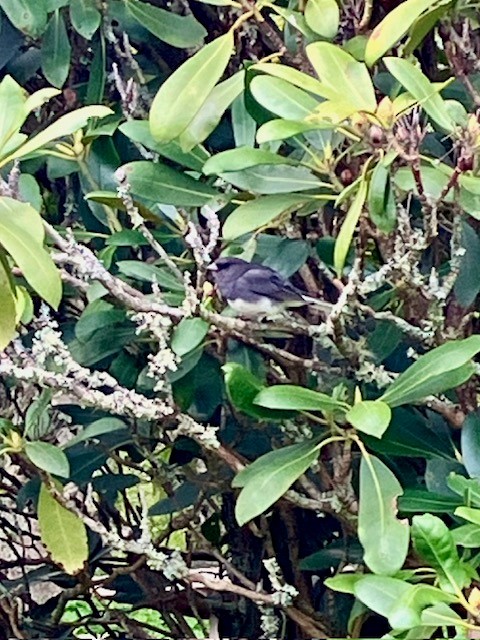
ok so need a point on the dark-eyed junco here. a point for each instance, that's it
(253, 290)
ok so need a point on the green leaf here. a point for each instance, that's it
(282, 98)
(467, 488)
(258, 213)
(27, 16)
(434, 543)
(383, 537)
(48, 457)
(467, 536)
(281, 129)
(243, 125)
(470, 444)
(345, 235)
(293, 398)
(178, 31)
(97, 428)
(85, 17)
(266, 480)
(62, 532)
(370, 416)
(295, 77)
(423, 25)
(160, 184)
(139, 131)
(420, 501)
(241, 158)
(208, 117)
(7, 308)
(440, 615)
(467, 513)
(393, 27)
(242, 389)
(345, 583)
(181, 96)
(271, 179)
(64, 126)
(420, 87)
(467, 284)
(323, 17)
(38, 420)
(381, 202)
(437, 371)
(12, 112)
(56, 51)
(21, 234)
(345, 77)
(188, 334)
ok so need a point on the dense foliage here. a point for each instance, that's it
(169, 469)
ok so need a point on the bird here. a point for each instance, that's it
(254, 290)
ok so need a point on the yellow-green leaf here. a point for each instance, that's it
(7, 308)
(62, 532)
(393, 27)
(344, 239)
(323, 17)
(21, 234)
(182, 95)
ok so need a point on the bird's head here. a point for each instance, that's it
(223, 264)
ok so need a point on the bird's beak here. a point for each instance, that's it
(212, 267)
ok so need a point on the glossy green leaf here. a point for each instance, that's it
(282, 98)
(438, 370)
(85, 17)
(384, 538)
(467, 536)
(178, 31)
(272, 179)
(21, 234)
(27, 16)
(323, 17)
(420, 501)
(295, 77)
(181, 96)
(345, 583)
(258, 213)
(241, 158)
(293, 398)
(266, 480)
(188, 334)
(38, 420)
(48, 457)
(440, 615)
(393, 27)
(467, 488)
(64, 126)
(282, 129)
(347, 78)
(208, 117)
(370, 416)
(97, 428)
(434, 543)
(7, 308)
(62, 532)
(56, 51)
(469, 514)
(164, 185)
(243, 125)
(420, 87)
(345, 235)
(382, 208)
(424, 24)
(242, 388)
(12, 111)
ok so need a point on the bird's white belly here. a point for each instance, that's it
(262, 306)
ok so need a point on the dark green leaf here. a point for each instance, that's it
(420, 501)
(85, 17)
(56, 51)
(470, 444)
(188, 334)
(27, 16)
(467, 284)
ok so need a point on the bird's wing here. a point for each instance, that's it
(263, 281)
